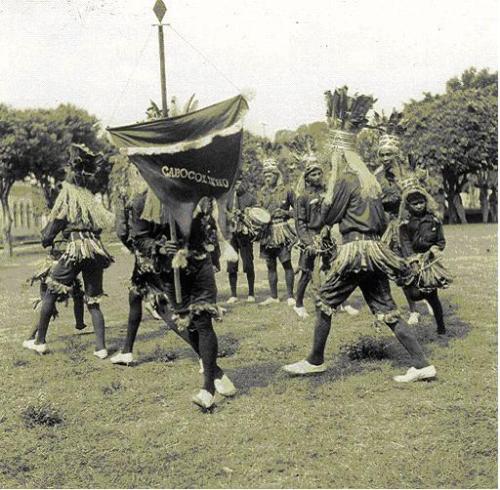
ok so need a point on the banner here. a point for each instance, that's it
(187, 157)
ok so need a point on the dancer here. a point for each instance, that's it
(354, 201)
(422, 242)
(315, 239)
(76, 289)
(241, 241)
(389, 175)
(80, 218)
(279, 238)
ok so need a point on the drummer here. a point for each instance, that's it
(241, 241)
(279, 237)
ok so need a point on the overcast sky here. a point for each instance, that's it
(102, 55)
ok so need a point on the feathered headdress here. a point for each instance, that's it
(392, 128)
(347, 112)
(270, 165)
(346, 116)
(414, 182)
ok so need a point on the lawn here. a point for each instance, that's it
(70, 420)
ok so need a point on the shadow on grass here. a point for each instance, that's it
(258, 375)
(363, 354)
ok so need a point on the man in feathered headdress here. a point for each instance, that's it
(353, 199)
(80, 218)
(279, 237)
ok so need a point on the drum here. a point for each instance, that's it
(255, 220)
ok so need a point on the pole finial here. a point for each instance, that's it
(160, 10)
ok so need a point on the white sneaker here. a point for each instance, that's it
(202, 370)
(40, 348)
(149, 307)
(101, 354)
(224, 386)
(290, 301)
(304, 367)
(269, 301)
(122, 358)
(301, 311)
(414, 374)
(429, 308)
(231, 300)
(251, 299)
(414, 317)
(349, 310)
(203, 399)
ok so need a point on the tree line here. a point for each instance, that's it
(453, 135)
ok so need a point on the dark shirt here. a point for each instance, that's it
(242, 200)
(354, 212)
(131, 229)
(420, 233)
(53, 228)
(308, 218)
(141, 234)
(278, 201)
(391, 193)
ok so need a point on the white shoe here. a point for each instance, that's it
(349, 310)
(122, 358)
(269, 301)
(101, 354)
(429, 308)
(203, 399)
(304, 367)
(224, 386)
(149, 307)
(414, 317)
(414, 374)
(251, 299)
(301, 311)
(231, 300)
(202, 370)
(40, 348)
(290, 301)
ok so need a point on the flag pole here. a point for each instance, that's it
(160, 10)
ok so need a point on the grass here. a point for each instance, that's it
(351, 427)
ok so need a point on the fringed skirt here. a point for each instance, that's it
(370, 256)
(279, 235)
(84, 245)
(430, 273)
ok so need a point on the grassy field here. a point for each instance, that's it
(70, 420)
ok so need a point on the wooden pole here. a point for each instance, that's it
(161, 41)
(164, 107)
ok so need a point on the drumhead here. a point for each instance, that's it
(259, 215)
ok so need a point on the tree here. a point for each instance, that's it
(456, 133)
(51, 133)
(13, 166)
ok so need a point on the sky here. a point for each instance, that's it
(102, 55)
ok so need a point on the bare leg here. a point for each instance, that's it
(437, 309)
(409, 342)
(321, 332)
(98, 322)
(134, 320)
(304, 279)
(272, 275)
(289, 278)
(48, 305)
